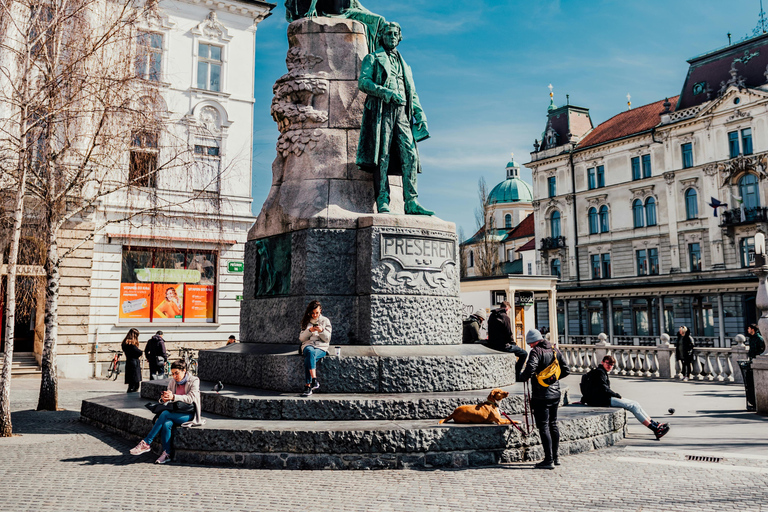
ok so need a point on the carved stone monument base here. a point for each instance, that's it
(393, 280)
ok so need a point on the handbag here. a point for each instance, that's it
(159, 361)
(181, 407)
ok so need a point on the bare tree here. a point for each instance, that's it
(487, 248)
(103, 131)
(462, 255)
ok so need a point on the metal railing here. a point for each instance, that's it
(552, 242)
(737, 216)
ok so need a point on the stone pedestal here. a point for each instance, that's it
(760, 374)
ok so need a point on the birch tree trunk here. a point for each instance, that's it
(48, 399)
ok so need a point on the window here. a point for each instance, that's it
(687, 150)
(507, 221)
(691, 204)
(749, 192)
(746, 141)
(206, 150)
(530, 269)
(637, 213)
(650, 212)
(646, 166)
(595, 264)
(554, 268)
(471, 259)
(733, 144)
(149, 56)
(209, 67)
(552, 186)
(591, 178)
(600, 176)
(642, 262)
(142, 171)
(747, 250)
(606, 265)
(694, 257)
(618, 318)
(554, 224)
(604, 219)
(635, 168)
(167, 286)
(653, 262)
(595, 313)
(593, 221)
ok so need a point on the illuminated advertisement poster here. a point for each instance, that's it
(135, 300)
(167, 300)
(198, 303)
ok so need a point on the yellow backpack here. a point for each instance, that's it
(551, 373)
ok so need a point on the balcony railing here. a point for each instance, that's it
(552, 242)
(738, 216)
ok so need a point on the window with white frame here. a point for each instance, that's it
(209, 66)
(149, 56)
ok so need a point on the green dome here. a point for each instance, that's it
(511, 190)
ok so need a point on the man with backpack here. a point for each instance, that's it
(596, 392)
(156, 356)
(545, 367)
(501, 336)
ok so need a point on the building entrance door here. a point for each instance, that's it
(520, 326)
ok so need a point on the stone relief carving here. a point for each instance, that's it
(741, 164)
(212, 28)
(292, 105)
(641, 192)
(210, 119)
(413, 279)
(710, 169)
(738, 114)
(669, 177)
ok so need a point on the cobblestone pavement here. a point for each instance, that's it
(60, 464)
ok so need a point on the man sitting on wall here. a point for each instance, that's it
(596, 391)
(501, 336)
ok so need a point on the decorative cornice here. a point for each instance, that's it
(212, 28)
(669, 177)
(595, 200)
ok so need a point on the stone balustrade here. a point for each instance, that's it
(658, 361)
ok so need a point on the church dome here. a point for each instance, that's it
(512, 189)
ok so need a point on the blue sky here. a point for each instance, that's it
(482, 68)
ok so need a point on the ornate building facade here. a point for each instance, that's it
(649, 218)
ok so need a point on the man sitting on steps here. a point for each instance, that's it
(596, 391)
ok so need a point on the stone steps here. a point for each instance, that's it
(249, 403)
(369, 444)
(24, 365)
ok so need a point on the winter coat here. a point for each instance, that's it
(471, 329)
(596, 388)
(539, 358)
(132, 363)
(321, 340)
(191, 396)
(684, 349)
(499, 329)
(375, 79)
(756, 345)
(155, 347)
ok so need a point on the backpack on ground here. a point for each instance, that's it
(551, 373)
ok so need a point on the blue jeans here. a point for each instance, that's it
(311, 356)
(164, 424)
(632, 407)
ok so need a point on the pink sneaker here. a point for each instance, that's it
(140, 448)
(164, 459)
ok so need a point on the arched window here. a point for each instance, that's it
(637, 213)
(471, 259)
(749, 192)
(554, 267)
(507, 221)
(650, 212)
(554, 224)
(604, 227)
(691, 204)
(593, 228)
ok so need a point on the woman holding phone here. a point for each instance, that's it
(315, 338)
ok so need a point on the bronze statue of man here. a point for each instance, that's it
(393, 122)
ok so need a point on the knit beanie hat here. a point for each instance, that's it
(533, 336)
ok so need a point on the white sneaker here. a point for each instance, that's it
(140, 448)
(164, 459)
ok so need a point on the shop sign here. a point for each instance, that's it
(235, 267)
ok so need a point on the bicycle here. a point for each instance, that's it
(113, 370)
(188, 355)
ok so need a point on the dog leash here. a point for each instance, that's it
(514, 424)
(527, 405)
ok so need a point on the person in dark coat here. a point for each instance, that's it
(156, 356)
(544, 399)
(596, 392)
(756, 342)
(684, 350)
(502, 337)
(132, 360)
(472, 326)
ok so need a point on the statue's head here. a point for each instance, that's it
(391, 35)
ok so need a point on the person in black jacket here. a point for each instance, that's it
(156, 356)
(502, 337)
(684, 350)
(756, 342)
(132, 364)
(596, 391)
(544, 399)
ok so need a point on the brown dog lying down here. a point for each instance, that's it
(487, 412)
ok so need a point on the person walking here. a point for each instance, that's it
(184, 393)
(132, 360)
(596, 392)
(684, 350)
(156, 356)
(544, 399)
(502, 337)
(315, 338)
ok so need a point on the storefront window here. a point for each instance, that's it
(167, 286)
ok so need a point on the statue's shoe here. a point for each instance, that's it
(414, 208)
(382, 207)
